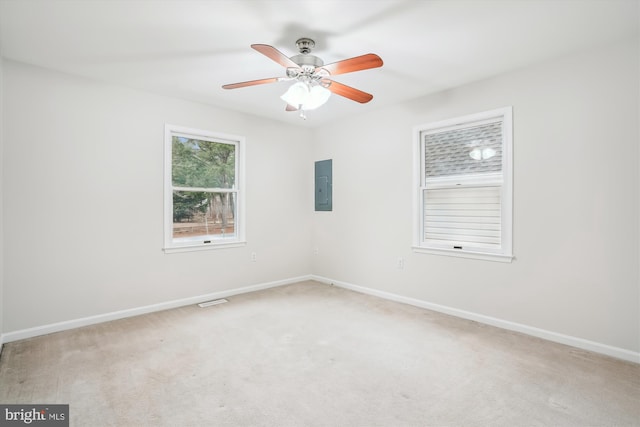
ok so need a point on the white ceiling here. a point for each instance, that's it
(188, 49)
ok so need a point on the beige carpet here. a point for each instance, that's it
(310, 354)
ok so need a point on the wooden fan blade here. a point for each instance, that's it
(348, 92)
(363, 62)
(275, 55)
(252, 83)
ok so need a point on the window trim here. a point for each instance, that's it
(240, 143)
(505, 253)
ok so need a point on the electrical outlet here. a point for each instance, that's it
(316, 251)
(400, 263)
(254, 257)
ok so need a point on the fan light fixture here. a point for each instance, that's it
(305, 97)
(314, 79)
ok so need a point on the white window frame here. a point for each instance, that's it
(170, 245)
(505, 179)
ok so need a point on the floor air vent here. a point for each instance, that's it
(214, 302)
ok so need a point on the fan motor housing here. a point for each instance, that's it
(306, 59)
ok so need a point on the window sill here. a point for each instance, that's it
(464, 254)
(204, 247)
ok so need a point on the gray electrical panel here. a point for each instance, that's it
(324, 184)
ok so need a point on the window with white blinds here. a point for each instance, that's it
(463, 196)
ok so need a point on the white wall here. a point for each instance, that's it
(83, 200)
(576, 189)
(1, 205)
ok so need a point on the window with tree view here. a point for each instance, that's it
(202, 195)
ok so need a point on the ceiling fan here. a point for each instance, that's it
(313, 83)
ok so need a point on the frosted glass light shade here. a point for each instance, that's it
(296, 95)
(317, 97)
(301, 96)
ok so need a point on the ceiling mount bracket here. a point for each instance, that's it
(305, 45)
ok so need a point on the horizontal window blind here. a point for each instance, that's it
(458, 216)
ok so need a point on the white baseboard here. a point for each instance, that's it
(593, 346)
(86, 321)
(596, 347)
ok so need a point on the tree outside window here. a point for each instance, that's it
(204, 190)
